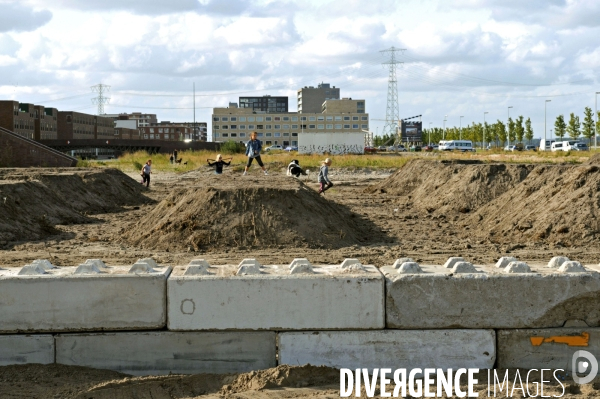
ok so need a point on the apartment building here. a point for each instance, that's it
(46, 123)
(283, 128)
(165, 131)
(18, 118)
(76, 125)
(124, 133)
(142, 119)
(311, 99)
(265, 103)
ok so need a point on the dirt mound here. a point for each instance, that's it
(594, 160)
(442, 186)
(241, 211)
(556, 203)
(33, 201)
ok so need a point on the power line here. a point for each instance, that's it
(100, 100)
(391, 113)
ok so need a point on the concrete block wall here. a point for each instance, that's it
(235, 318)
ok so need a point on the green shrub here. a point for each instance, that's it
(137, 165)
(231, 147)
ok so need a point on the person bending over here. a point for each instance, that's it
(218, 164)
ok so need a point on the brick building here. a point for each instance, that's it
(46, 123)
(17, 151)
(166, 131)
(77, 125)
(143, 120)
(18, 117)
(124, 133)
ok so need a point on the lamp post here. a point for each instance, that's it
(430, 132)
(545, 103)
(507, 128)
(460, 124)
(483, 146)
(596, 125)
(444, 134)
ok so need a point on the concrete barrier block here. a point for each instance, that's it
(409, 268)
(87, 268)
(328, 298)
(505, 261)
(44, 263)
(399, 262)
(390, 349)
(299, 261)
(452, 261)
(571, 267)
(25, 349)
(464, 267)
(517, 267)
(557, 261)
(96, 262)
(33, 269)
(61, 300)
(545, 348)
(164, 352)
(490, 298)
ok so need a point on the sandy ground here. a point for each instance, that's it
(408, 231)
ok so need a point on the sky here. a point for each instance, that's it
(460, 58)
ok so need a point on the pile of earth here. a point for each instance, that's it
(33, 201)
(445, 186)
(249, 211)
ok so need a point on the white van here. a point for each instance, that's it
(546, 145)
(557, 146)
(456, 145)
(574, 146)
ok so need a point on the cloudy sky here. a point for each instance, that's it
(462, 58)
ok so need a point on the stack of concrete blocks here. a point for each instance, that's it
(151, 319)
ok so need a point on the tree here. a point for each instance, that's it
(511, 130)
(519, 131)
(560, 127)
(487, 134)
(528, 130)
(574, 127)
(500, 129)
(588, 124)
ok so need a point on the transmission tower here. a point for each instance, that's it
(391, 113)
(100, 100)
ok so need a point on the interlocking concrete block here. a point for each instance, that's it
(550, 348)
(24, 349)
(300, 261)
(571, 267)
(464, 267)
(409, 268)
(557, 261)
(60, 300)
(399, 262)
(164, 352)
(452, 261)
(505, 261)
(44, 263)
(197, 267)
(517, 267)
(490, 298)
(390, 349)
(328, 298)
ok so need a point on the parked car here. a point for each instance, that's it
(415, 148)
(556, 146)
(401, 148)
(291, 148)
(570, 146)
(428, 148)
(510, 148)
(530, 148)
(274, 147)
(369, 149)
(392, 148)
(381, 148)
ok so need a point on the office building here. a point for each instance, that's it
(265, 104)
(311, 99)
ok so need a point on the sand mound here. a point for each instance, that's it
(557, 203)
(442, 186)
(33, 201)
(241, 211)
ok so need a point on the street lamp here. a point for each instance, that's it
(430, 133)
(547, 101)
(444, 135)
(460, 124)
(507, 128)
(596, 125)
(484, 130)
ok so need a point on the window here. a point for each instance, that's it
(294, 134)
(225, 119)
(215, 118)
(286, 135)
(360, 104)
(277, 126)
(146, 136)
(320, 126)
(355, 126)
(286, 118)
(269, 134)
(346, 118)
(277, 118)
(330, 118)
(329, 126)
(338, 125)
(233, 134)
(259, 118)
(268, 119)
(260, 134)
(311, 126)
(294, 119)
(225, 135)
(365, 126)
(294, 142)
(250, 126)
(268, 142)
(312, 118)
(286, 126)
(152, 129)
(303, 118)
(294, 126)
(346, 126)
(260, 127)
(233, 118)
(277, 134)
(152, 136)
(321, 118)
(338, 118)
(224, 127)
(360, 111)
(364, 118)
(242, 134)
(232, 127)
(355, 118)
(242, 119)
(250, 119)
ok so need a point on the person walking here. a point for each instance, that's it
(253, 148)
(146, 170)
(218, 164)
(175, 155)
(325, 183)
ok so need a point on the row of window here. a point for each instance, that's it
(268, 127)
(287, 118)
(28, 125)
(166, 130)
(244, 134)
(158, 136)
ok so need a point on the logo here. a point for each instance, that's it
(583, 362)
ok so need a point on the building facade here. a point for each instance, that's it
(143, 120)
(311, 99)
(46, 123)
(264, 103)
(18, 118)
(165, 131)
(235, 124)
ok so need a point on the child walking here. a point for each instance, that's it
(325, 183)
(218, 164)
(146, 170)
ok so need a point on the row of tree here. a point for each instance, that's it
(515, 130)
